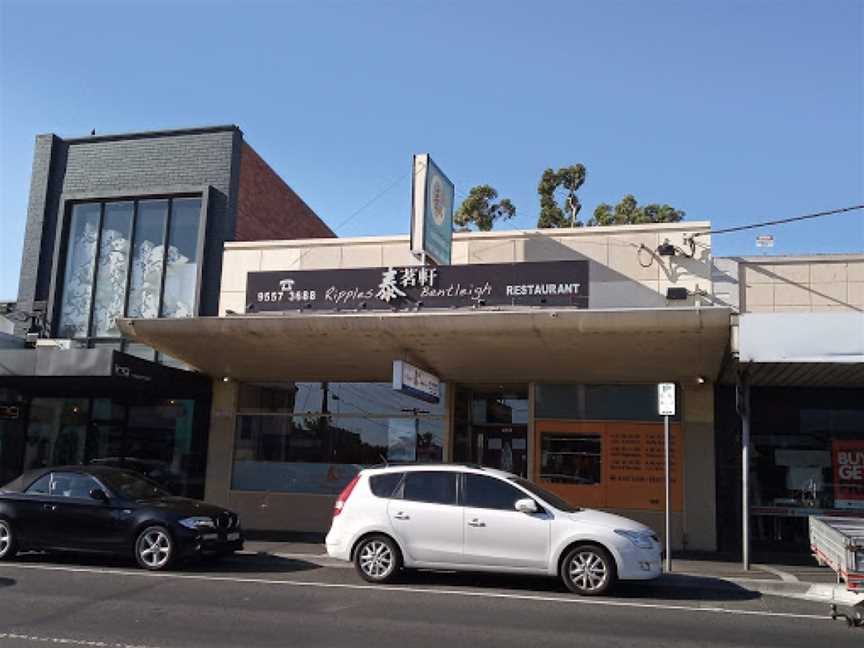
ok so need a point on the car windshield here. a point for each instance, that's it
(546, 496)
(132, 486)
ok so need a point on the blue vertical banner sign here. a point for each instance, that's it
(432, 198)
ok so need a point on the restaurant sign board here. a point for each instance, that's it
(547, 283)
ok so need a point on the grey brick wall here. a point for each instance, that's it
(135, 164)
(38, 221)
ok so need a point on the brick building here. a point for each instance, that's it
(129, 225)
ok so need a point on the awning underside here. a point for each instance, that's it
(502, 346)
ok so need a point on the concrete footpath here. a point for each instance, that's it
(810, 583)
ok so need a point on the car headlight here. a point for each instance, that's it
(642, 539)
(198, 523)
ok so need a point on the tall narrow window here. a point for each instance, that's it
(181, 267)
(112, 269)
(146, 275)
(78, 274)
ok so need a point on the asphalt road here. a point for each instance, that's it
(254, 601)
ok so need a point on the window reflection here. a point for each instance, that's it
(112, 270)
(146, 276)
(314, 437)
(157, 439)
(78, 275)
(181, 267)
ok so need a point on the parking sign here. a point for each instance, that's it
(666, 399)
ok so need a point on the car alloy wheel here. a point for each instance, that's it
(588, 570)
(7, 540)
(154, 548)
(377, 559)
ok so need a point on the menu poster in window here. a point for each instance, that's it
(636, 459)
(402, 440)
(848, 460)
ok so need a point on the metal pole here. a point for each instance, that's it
(668, 497)
(745, 473)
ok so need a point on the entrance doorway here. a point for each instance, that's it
(490, 426)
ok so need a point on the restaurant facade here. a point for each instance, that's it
(548, 346)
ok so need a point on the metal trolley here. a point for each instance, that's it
(838, 542)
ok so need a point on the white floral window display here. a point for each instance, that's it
(114, 278)
(78, 277)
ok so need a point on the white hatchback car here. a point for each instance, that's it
(462, 517)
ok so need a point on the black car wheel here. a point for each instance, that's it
(377, 559)
(8, 543)
(588, 570)
(154, 548)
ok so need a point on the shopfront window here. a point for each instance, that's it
(129, 258)
(343, 427)
(158, 439)
(571, 459)
(807, 458)
(604, 446)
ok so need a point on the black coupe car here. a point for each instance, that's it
(107, 510)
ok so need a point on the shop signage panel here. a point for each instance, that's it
(415, 382)
(547, 283)
(432, 197)
(848, 460)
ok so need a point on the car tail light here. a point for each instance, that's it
(343, 496)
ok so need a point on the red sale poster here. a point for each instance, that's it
(848, 460)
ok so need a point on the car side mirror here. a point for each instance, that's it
(99, 495)
(527, 506)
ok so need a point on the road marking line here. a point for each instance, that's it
(574, 600)
(786, 577)
(70, 642)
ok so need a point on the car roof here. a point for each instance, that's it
(447, 467)
(95, 470)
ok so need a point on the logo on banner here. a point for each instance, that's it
(848, 460)
(438, 202)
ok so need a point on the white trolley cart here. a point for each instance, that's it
(839, 543)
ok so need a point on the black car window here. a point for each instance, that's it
(132, 486)
(436, 487)
(490, 493)
(384, 485)
(41, 486)
(72, 485)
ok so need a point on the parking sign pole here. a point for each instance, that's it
(666, 408)
(668, 498)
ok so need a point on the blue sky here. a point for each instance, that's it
(732, 111)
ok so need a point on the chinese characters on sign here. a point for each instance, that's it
(553, 283)
(389, 289)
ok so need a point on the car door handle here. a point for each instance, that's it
(49, 507)
(401, 516)
(476, 523)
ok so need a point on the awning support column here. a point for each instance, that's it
(743, 406)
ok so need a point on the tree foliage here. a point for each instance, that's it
(628, 212)
(551, 213)
(478, 209)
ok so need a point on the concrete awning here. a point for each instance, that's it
(470, 346)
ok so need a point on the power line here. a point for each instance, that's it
(780, 221)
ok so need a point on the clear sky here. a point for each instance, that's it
(732, 111)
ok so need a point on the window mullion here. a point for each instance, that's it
(130, 258)
(165, 241)
(94, 274)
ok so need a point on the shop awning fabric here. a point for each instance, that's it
(467, 346)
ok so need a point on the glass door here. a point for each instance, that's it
(491, 427)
